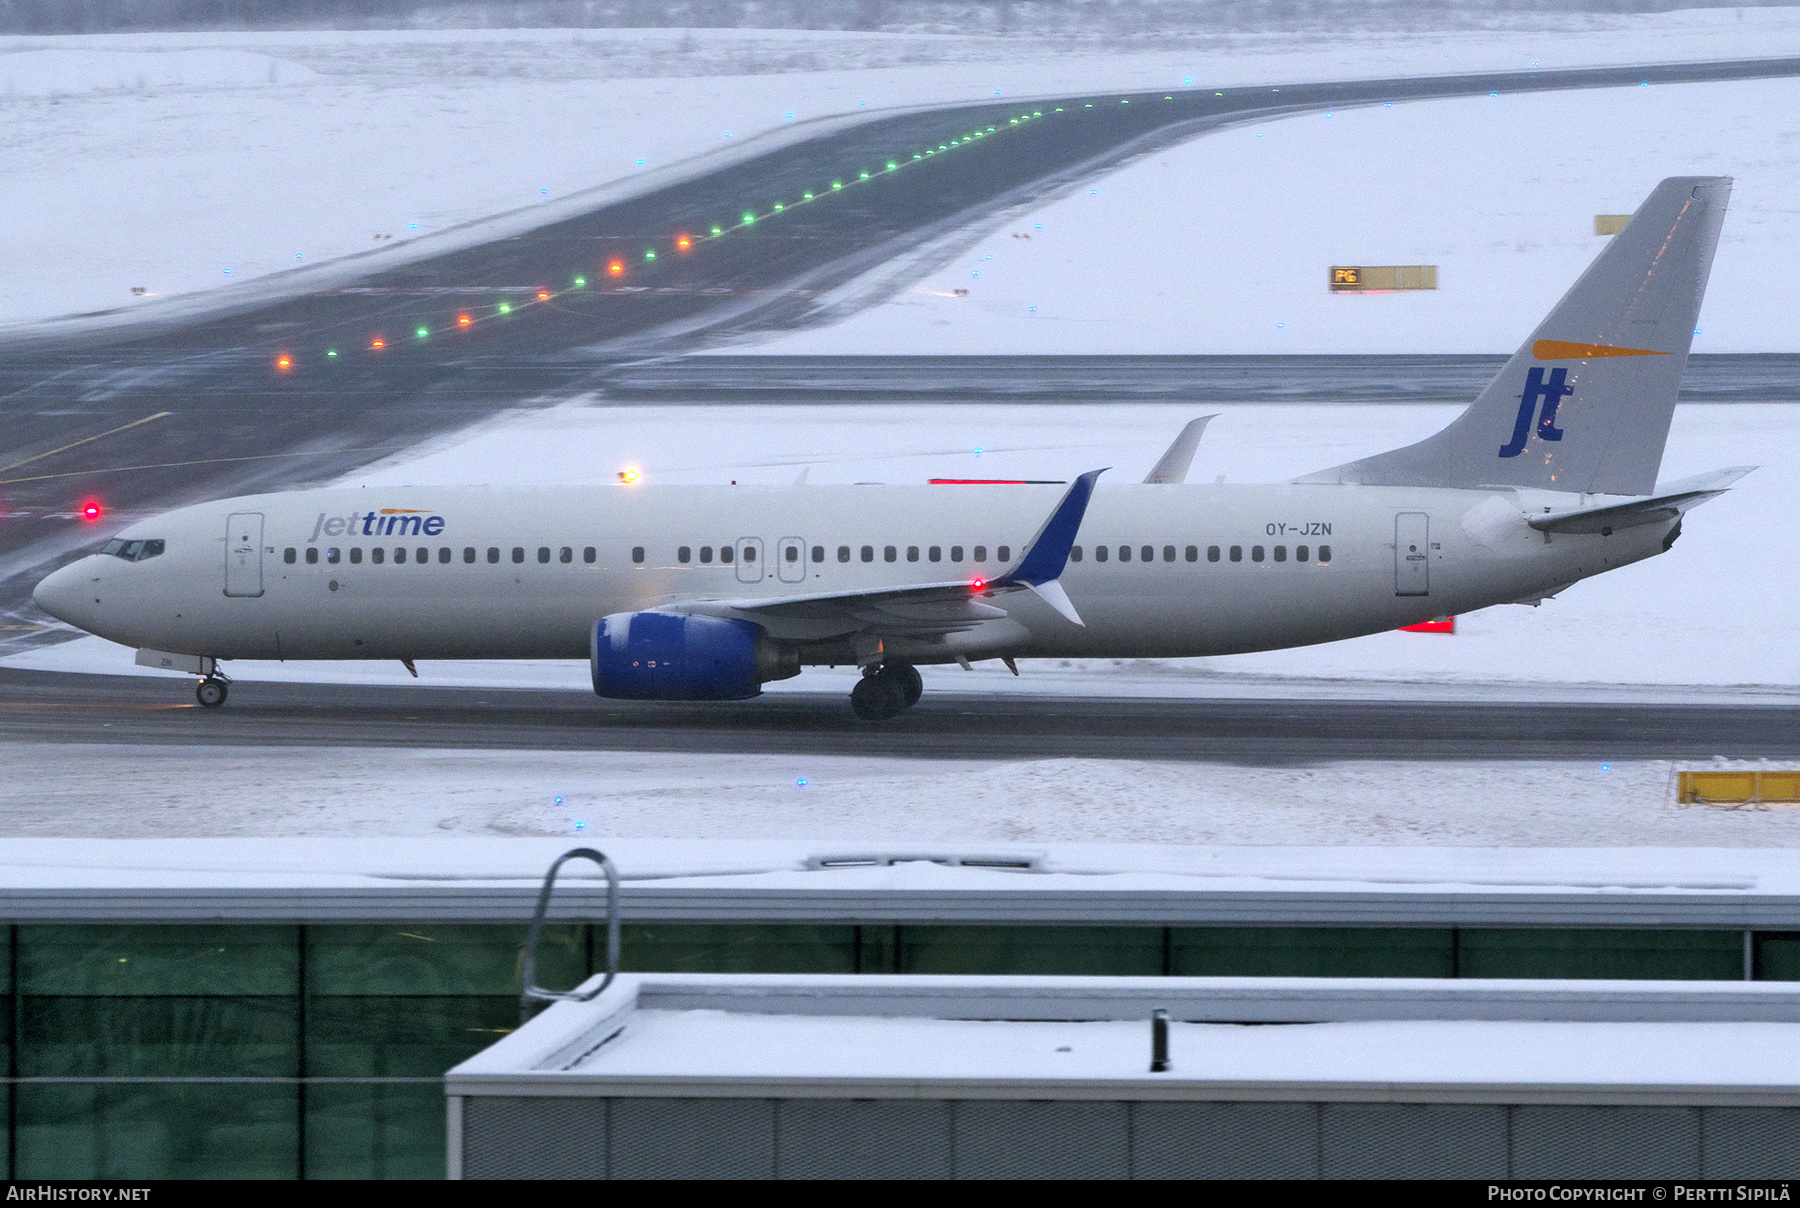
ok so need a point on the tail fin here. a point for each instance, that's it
(1585, 404)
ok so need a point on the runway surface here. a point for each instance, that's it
(51, 707)
(159, 416)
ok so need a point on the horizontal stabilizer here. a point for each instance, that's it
(1666, 505)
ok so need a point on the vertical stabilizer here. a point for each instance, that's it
(1585, 404)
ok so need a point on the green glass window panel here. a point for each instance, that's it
(159, 1036)
(1558, 952)
(1778, 956)
(734, 948)
(1311, 952)
(877, 949)
(1112, 951)
(138, 960)
(375, 1131)
(471, 959)
(138, 1131)
(6, 943)
(389, 1036)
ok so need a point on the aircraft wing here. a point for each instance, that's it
(1672, 500)
(920, 610)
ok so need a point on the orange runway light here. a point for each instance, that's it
(463, 320)
(683, 243)
(378, 342)
(616, 268)
(543, 295)
(284, 363)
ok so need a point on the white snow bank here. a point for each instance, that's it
(185, 185)
(1222, 245)
(64, 73)
(643, 806)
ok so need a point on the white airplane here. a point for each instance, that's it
(707, 593)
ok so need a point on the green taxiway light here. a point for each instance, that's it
(580, 282)
(864, 176)
(892, 167)
(423, 332)
(837, 184)
(749, 219)
(921, 156)
(809, 197)
(779, 206)
(717, 231)
(649, 255)
(331, 352)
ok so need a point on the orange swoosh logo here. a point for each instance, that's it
(1563, 350)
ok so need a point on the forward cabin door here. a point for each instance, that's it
(1412, 547)
(790, 560)
(749, 559)
(243, 554)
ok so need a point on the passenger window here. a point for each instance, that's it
(706, 553)
(981, 553)
(543, 554)
(685, 554)
(588, 554)
(378, 555)
(1324, 553)
(1300, 553)
(1193, 553)
(912, 553)
(724, 553)
(1237, 553)
(399, 555)
(889, 553)
(868, 553)
(1147, 554)
(791, 553)
(1124, 553)
(843, 553)
(818, 553)
(1256, 553)
(1074, 553)
(1099, 553)
(518, 554)
(493, 554)
(1169, 554)
(469, 554)
(290, 555)
(422, 555)
(443, 554)
(637, 554)
(935, 553)
(1212, 553)
(1005, 553)
(566, 556)
(312, 556)
(355, 555)
(1281, 553)
(956, 553)
(331, 555)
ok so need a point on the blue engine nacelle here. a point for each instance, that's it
(660, 656)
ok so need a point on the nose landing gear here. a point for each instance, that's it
(886, 691)
(212, 690)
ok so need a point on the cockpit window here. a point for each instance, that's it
(132, 551)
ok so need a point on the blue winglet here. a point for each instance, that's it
(1048, 552)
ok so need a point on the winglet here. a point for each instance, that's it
(1052, 593)
(1173, 466)
(1048, 552)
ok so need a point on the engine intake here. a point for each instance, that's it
(662, 656)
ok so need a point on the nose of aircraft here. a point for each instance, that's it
(60, 594)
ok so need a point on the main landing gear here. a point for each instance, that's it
(211, 691)
(886, 691)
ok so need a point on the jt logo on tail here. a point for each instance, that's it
(1535, 388)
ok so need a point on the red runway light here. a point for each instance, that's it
(91, 510)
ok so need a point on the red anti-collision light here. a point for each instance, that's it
(91, 510)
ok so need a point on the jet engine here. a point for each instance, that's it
(664, 656)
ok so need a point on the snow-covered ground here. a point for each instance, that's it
(847, 803)
(1222, 245)
(1715, 611)
(180, 163)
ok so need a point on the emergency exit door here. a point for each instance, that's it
(1412, 554)
(243, 554)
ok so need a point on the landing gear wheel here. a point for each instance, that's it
(907, 676)
(877, 697)
(210, 692)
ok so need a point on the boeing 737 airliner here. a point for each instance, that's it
(707, 593)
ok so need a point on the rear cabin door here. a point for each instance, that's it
(1412, 549)
(790, 560)
(749, 560)
(243, 554)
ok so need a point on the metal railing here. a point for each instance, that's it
(534, 993)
